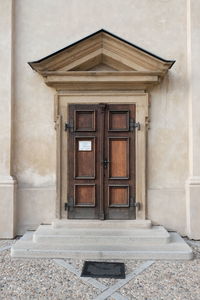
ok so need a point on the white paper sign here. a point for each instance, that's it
(85, 146)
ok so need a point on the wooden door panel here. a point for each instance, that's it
(118, 157)
(85, 157)
(84, 195)
(118, 120)
(118, 195)
(85, 120)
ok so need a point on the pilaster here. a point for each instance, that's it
(7, 183)
(193, 182)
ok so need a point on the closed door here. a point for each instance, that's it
(101, 161)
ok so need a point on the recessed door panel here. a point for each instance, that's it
(118, 195)
(118, 120)
(84, 158)
(118, 157)
(84, 120)
(84, 195)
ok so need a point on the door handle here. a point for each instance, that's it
(105, 163)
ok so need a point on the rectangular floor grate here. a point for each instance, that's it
(103, 269)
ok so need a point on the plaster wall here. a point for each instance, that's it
(45, 26)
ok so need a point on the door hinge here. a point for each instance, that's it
(137, 205)
(133, 203)
(69, 205)
(69, 126)
(133, 125)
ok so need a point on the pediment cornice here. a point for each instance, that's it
(126, 63)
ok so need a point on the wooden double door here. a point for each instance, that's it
(101, 161)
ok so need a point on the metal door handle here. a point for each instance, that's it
(105, 163)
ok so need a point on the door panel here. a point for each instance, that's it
(118, 157)
(118, 195)
(118, 120)
(84, 195)
(85, 157)
(84, 120)
(101, 161)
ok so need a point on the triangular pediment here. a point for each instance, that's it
(102, 51)
(102, 61)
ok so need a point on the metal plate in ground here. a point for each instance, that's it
(103, 269)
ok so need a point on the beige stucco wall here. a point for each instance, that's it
(45, 26)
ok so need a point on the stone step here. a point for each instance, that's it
(176, 249)
(101, 236)
(115, 224)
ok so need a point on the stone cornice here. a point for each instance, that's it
(90, 80)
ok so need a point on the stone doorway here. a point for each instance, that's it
(102, 68)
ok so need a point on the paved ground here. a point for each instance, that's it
(56, 279)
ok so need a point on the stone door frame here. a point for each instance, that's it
(141, 100)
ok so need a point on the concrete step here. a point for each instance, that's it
(101, 236)
(115, 224)
(176, 249)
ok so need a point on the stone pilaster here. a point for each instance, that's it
(193, 182)
(7, 183)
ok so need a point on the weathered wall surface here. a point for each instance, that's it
(45, 26)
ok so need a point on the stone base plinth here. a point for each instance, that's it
(193, 207)
(7, 207)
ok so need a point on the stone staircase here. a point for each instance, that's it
(95, 239)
